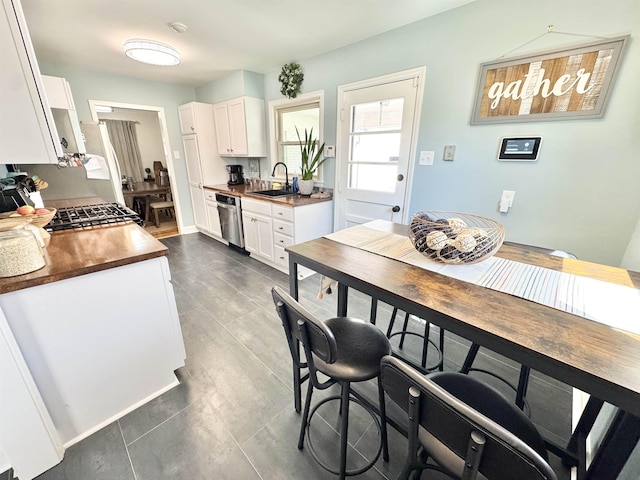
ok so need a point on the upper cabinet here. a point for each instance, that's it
(27, 129)
(64, 114)
(240, 127)
(195, 117)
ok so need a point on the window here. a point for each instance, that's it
(304, 112)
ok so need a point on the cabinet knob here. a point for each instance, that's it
(193, 129)
(281, 258)
(279, 228)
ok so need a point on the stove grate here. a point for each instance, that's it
(91, 216)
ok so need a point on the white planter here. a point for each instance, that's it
(305, 187)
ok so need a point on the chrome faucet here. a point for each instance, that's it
(286, 174)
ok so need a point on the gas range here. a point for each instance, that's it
(92, 216)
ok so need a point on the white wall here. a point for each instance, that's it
(583, 193)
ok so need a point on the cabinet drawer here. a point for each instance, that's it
(283, 213)
(282, 240)
(210, 195)
(285, 228)
(280, 256)
(256, 206)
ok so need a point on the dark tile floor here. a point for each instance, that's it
(232, 415)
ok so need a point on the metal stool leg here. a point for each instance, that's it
(344, 429)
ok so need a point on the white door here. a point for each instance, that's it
(378, 126)
(194, 172)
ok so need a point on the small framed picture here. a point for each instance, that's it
(519, 149)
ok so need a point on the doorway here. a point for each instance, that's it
(378, 122)
(155, 151)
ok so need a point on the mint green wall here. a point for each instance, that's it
(88, 85)
(236, 84)
(583, 193)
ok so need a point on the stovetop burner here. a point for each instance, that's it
(92, 216)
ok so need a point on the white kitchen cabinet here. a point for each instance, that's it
(28, 437)
(212, 213)
(65, 117)
(240, 127)
(95, 361)
(281, 226)
(27, 129)
(195, 117)
(258, 229)
(204, 166)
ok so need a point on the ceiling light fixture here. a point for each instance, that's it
(154, 53)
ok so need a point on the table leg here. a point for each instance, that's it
(293, 278)
(343, 293)
(618, 443)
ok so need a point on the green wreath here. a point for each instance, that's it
(291, 78)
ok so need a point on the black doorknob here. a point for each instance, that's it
(400, 177)
(395, 209)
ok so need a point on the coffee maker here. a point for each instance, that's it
(235, 175)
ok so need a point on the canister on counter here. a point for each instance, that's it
(20, 250)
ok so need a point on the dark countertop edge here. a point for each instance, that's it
(152, 249)
(22, 284)
(289, 200)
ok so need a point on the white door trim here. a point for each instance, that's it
(419, 75)
(165, 142)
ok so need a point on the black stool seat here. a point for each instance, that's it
(360, 346)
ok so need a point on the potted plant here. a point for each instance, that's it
(310, 160)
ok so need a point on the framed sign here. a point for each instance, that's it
(568, 84)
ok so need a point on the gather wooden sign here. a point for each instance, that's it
(563, 84)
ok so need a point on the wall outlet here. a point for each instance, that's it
(449, 153)
(330, 151)
(176, 155)
(426, 157)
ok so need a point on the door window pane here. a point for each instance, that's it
(376, 148)
(374, 177)
(377, 116)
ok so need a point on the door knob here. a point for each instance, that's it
(395, 209)
(400, 177)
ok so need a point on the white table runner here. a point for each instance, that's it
(614, 305)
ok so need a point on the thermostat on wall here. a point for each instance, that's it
(519, 149)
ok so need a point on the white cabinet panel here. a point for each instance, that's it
(214, 219)
(27, 129)
(240, 127)
(27, 436)
(200, 216)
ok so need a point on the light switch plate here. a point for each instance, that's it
(426, 157)
(176, 155)
(449, 153)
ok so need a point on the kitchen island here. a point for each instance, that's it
(97, 326)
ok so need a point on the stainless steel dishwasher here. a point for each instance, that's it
(230, 219)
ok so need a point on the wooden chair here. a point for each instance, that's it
(157, 206)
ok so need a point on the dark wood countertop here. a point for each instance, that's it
(77, 252)
(246, 191)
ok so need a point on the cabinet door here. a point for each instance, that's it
(237, 126)
(265, 236)
(200, 217)
(214, 219)
(250, 228)
(187, 119)
(222, 128)
(27, 131)
(192, 157)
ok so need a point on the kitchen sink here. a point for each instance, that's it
(273, 193)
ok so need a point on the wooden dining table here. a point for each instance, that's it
(586, 354)
(144, 189)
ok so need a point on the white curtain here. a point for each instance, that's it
(124, 139)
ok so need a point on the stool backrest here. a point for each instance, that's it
(465, 443)
(296, 320)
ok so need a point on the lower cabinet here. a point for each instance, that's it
(257, 224)
(211, 207)
(270, 228)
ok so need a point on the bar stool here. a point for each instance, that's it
(466, 427)
(346, 350)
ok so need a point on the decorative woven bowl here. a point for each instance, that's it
(39, 220)
(456, 238)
